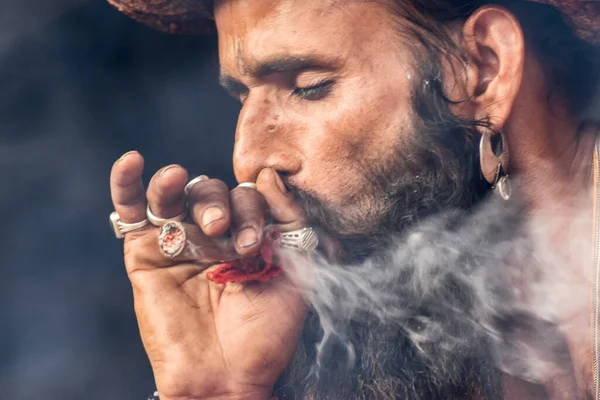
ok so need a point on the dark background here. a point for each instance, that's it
(80, 84)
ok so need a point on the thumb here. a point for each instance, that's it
(286, 212)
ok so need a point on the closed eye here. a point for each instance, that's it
(314, 92)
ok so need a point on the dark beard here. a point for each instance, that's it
(436, 172)
(439, 330)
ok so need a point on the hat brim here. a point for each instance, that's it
(183, 17)
(195, 17)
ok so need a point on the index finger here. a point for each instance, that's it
(126, 187)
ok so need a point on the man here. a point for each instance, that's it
(360, 119)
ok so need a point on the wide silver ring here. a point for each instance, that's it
(188, 188)
(158, 221)
(304, 239)
(250, 185)
(120, 228)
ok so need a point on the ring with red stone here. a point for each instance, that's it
(172, 239)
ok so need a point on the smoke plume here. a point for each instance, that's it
(496, 282)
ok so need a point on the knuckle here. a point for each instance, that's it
(248, 208)
(209, 190)
(159, 190)
(242, 192)
(245, 207)
(246, 197)
(133, 201)
(247, 216)
(163, 197)
(163, 204)
(251, 220)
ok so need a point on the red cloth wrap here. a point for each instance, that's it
(261, 268)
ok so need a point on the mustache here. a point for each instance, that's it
(357, 241)
(310, 203)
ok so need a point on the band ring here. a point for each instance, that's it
(304, 239)
(120, 228)
(188, 188)
(158, 221)
(250, 185)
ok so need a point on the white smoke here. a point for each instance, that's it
(502, 276)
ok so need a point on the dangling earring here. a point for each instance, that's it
(493, 159)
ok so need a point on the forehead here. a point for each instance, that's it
(252, 30)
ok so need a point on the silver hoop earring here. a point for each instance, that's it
(493, 160)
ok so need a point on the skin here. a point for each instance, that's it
(209, 341)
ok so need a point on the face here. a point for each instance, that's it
(327, 101)
(350, 114)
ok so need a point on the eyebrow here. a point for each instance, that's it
(275, 65)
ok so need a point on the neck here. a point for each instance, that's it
(553, 161)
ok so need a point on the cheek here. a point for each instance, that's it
(350, 140)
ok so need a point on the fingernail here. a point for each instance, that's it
(165, 169)
(247, 237)
(211, 215)
(124, 156)
(279, 182)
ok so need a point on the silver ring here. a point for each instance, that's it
(172, 239)
(158, 221)
(120, 228)
(304, 239)
(250, 185)
(191, 183)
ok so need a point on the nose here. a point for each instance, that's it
(264, 139)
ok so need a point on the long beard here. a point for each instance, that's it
(436, 172)
(425, 321)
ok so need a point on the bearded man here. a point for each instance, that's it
(359, 120)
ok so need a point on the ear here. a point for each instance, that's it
(495, 47)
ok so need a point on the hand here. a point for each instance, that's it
(205, 340)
